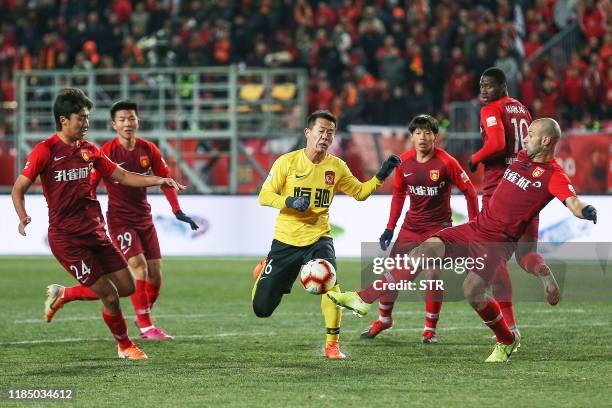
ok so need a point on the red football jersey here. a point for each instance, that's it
(64, 171)
(524, 190)
(129, 205)
(429, 187)
(503, 128)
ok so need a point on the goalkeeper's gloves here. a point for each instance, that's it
(590, 213)
(181, 216)
(297, 203)
(473, 167)
(387, 167)
(385, 239)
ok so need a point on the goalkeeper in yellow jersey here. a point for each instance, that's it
(302, 185)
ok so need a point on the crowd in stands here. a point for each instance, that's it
(374, 62)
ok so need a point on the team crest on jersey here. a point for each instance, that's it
(144, 161)
(86, 154)
(537, 172)
(434, 175)
(330, 176)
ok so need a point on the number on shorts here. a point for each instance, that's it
(268, 267)
(79, 274)
(125, 240)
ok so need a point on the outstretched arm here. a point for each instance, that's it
(581, 209)
(127, 178)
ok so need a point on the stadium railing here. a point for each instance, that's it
(203, 122)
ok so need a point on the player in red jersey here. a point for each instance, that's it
(76, 227)
(526, 187)
(503, 128)
(426, 175)
(129, 214)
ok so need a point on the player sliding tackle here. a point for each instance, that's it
(527, 185)
(77, 236)
(302, 185)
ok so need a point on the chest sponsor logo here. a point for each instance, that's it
(73, 174)
(424, 190)
(330, 177)
(516, 179)
(537, 172)
(144, 161)
(434, 175)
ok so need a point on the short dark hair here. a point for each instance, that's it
(321, 114)
(497, 74)
(123, 105)
(424, 121)
(67, 102)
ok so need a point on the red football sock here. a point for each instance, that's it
(78, 292)
(141, 305)
(433, 305)
(117, 326)
(152, 293)
(370, 294)
(385, 309)
(492, 317)
(533, 263)
(507, 309)
(502, 292)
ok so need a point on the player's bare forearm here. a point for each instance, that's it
(21, 186)
(130, 179)
(581, 209)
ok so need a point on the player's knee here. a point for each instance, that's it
(262, 309)
(127, 288)
(111, 300)
(473, 292)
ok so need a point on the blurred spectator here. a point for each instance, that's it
(591, 19)
(510, 67)
(573, 94)
(418, 102)
(528, 85)
(459, 86)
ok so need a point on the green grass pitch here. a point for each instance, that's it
(224, 356)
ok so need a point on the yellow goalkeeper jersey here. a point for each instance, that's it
(294, 175)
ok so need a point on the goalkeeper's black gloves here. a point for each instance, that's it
(297, 203)
(385, 239)
(590, 213)
(181, 216)
(387, 167)
(473, 167)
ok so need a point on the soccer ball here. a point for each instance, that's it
(318, 276)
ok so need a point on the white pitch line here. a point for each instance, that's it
(271, 333)
(287, 314)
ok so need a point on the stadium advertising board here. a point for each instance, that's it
(239, 226)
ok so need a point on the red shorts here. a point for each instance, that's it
(86, 257)
(407, 240)
(484, 252)
(132, 240)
